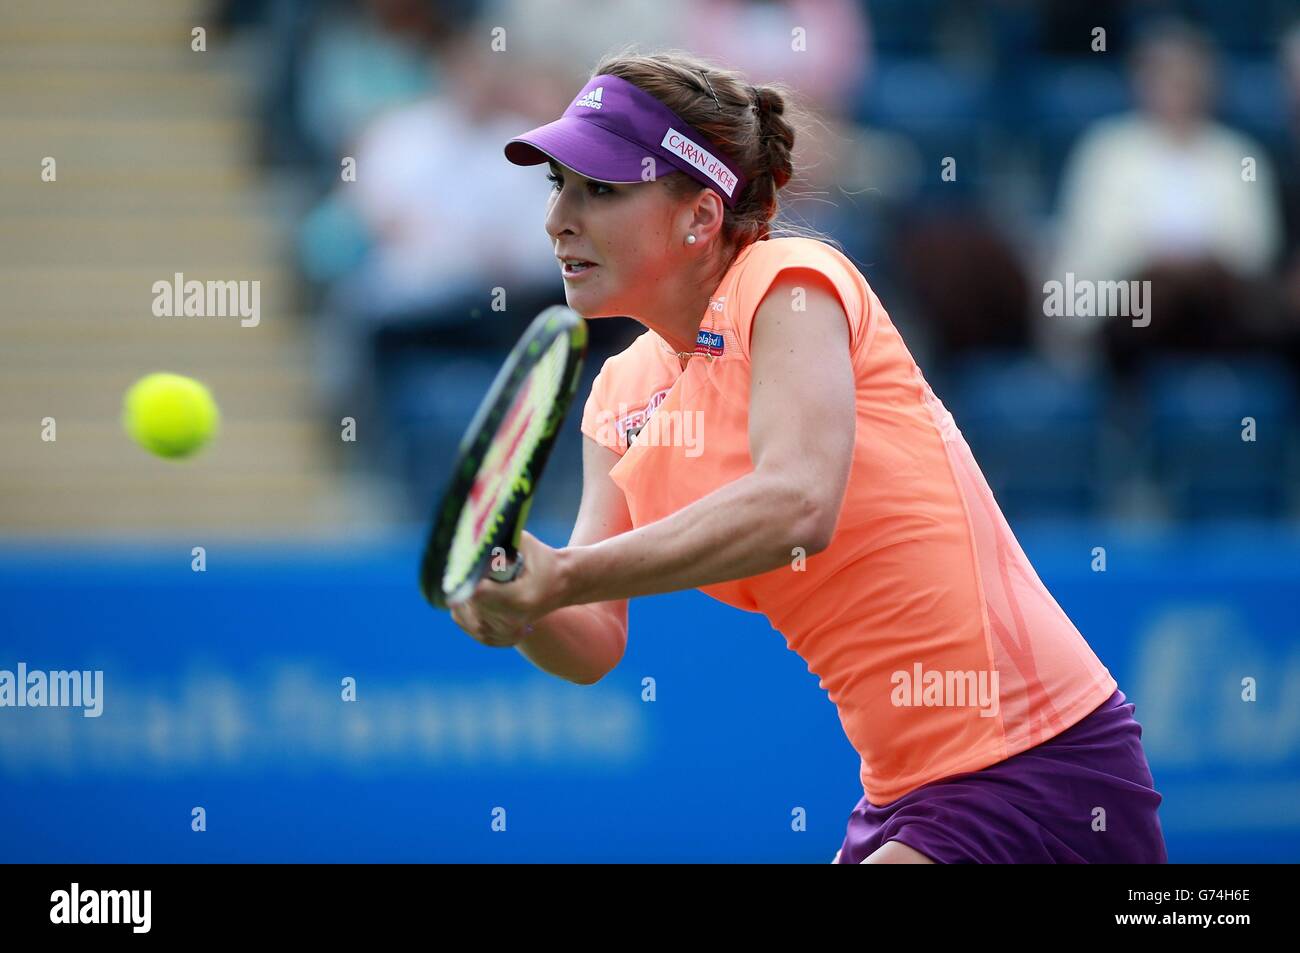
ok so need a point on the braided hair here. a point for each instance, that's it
(750, 124)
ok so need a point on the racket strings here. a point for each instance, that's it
(504, 472)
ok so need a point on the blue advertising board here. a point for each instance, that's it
(305, 704)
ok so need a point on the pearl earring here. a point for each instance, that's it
(690, 239)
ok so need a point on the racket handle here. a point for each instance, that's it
(510, 573)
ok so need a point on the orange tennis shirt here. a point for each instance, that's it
(923, 619)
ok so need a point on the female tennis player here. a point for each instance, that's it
(770, 441)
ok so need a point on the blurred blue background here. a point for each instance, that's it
(222, 687)
(222, 690)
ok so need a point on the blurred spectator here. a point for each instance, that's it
(967, 282)
(359, 62)
(825, 63)
(328, 66)
(443, 210)
(1163, 193)
(423, 95)
(442, 218)
(821, 51)
(1290, 159)
(572, 35)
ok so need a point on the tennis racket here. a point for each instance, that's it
(476, 527)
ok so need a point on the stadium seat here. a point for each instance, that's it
(429, 400)
(905, 25)
(937, 106)
(1036, 432)
(1068, 96)
(1251, 99)
(1197, 451)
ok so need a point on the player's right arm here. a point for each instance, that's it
(582, 643)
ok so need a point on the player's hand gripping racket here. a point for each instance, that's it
(500, 460)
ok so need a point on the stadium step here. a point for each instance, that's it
(152, 143)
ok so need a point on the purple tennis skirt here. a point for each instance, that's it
(1036, 807)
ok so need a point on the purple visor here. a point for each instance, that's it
(612, 127)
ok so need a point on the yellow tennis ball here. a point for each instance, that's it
(169, 415)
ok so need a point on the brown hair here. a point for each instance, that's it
(754, 126)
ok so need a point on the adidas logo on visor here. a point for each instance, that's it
(592, 99)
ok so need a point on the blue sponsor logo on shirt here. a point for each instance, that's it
(708, 342)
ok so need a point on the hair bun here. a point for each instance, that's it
(767, 100)
(717, 101)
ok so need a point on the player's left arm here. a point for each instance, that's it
(801, 435)
(802, 403)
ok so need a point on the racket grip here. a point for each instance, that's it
(511, 572)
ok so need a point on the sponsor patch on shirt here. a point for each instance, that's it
(629, 425)
(708, 342)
